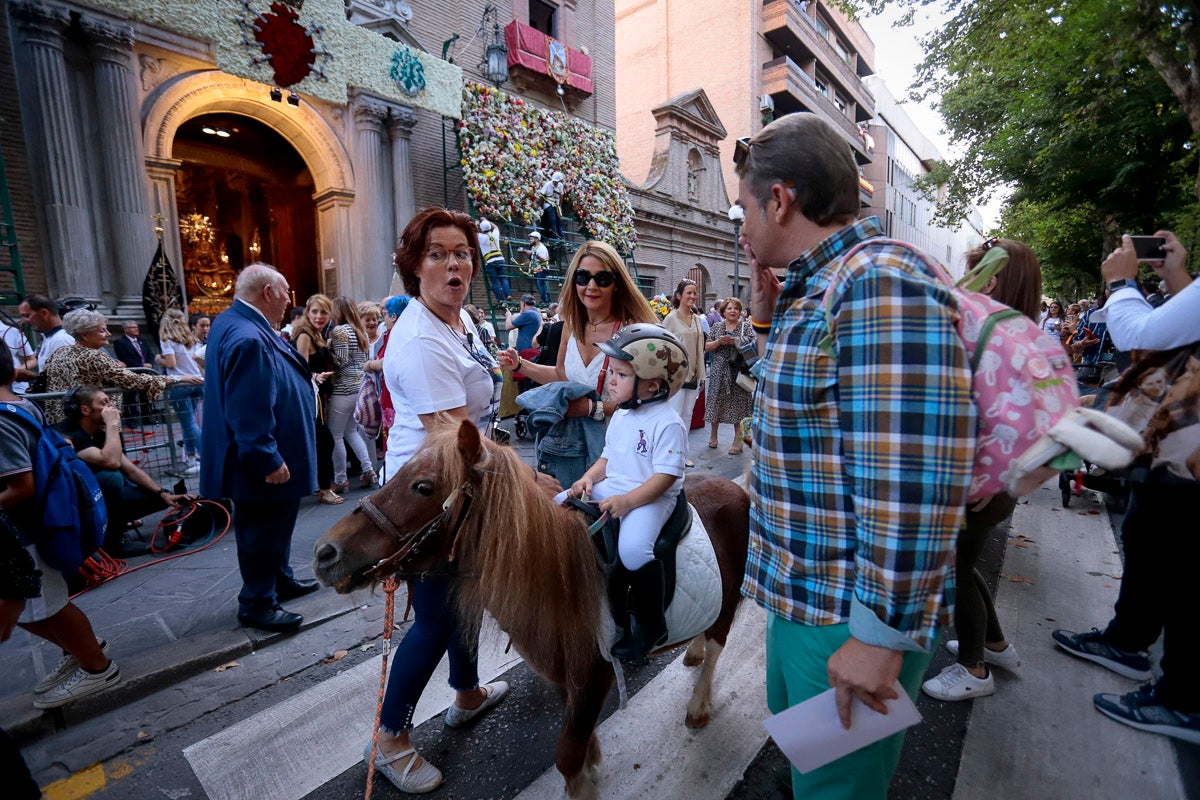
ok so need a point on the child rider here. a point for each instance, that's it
(640, 473)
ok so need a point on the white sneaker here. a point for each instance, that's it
(955, 682)
(1006, 658)
(191, 465)
(66, 665)
(78, 684)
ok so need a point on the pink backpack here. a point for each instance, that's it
(1021, 377)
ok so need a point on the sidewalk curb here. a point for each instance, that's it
(144, 674)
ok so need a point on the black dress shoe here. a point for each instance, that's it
(274, 618)
(295, 589)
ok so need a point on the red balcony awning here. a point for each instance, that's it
(529, 49)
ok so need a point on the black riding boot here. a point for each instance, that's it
(618, 604)
(648, 609)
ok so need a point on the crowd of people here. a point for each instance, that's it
(859, 521)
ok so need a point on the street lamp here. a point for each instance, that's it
(495, 62)
(737, 215)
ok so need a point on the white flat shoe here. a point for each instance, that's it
(457, 717)
(424, 778)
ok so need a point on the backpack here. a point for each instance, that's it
(1022, 382)
(72, 506)
(368, 406)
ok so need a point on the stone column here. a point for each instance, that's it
(368, 277)
(55, 152)
(161, 172)
(337, 234)
(126, 208)
(400, 128)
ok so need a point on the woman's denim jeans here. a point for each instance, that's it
(185, 399)
(435, 630)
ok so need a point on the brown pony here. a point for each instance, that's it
(530, 564)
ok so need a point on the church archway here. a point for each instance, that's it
(274, 180)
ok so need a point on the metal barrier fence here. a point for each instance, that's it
(151, 436)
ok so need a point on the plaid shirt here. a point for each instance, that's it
(864, 434)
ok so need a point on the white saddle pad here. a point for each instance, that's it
(697, 600)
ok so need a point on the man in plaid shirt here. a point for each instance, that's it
(864, 434)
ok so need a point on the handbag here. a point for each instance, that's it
(368, 406)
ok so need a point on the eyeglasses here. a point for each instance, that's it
(442, 256)
(604, 278)
(741, 151)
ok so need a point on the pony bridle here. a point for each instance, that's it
(410, 544)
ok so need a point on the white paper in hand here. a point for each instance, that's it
(811, 735)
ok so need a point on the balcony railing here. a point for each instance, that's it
(790, 29)
(784, 76)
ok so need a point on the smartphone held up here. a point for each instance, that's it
(1149, 248)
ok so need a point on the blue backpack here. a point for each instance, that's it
(69, 497)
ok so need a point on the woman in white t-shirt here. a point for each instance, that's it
(178, 345)
(434, 367)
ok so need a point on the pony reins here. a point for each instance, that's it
(412, 543)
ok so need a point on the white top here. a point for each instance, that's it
(489, 245)
(1134, 324)
(539, 252)
(578, 371)
(552, 192)
(18, 347)
(185, 362)
(50, 344)
(642, 442)
(428, 368)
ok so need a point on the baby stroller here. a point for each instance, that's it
(521, 423)
(1095, 380)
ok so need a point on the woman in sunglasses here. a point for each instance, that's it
(598, 299)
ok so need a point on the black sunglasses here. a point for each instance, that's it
(989, 244)
(741, 150)
(604, 278)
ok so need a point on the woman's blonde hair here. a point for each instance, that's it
(366, 308)
(302, 325)
(725, 304)
(175, 328)
(628, 304)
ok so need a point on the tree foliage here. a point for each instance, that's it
(1088, 109)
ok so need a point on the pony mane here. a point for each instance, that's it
(528, 562)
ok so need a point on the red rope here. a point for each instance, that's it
(389, 618)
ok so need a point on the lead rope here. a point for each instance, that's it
(389, 615)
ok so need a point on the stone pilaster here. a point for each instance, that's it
(400, 128)
(125, 188)
(55, 151)
(368, 278)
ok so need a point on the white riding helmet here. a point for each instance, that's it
(655, 354)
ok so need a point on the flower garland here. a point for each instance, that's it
(510, 148)
(661, 305)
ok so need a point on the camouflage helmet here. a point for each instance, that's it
(654, 352)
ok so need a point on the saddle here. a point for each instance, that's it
(677, 526)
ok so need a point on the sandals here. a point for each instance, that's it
(424, 778)
(341, 488)
(737, 448)
(712, 443)
(329, 498)
(368, 479)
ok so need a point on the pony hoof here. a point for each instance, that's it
(697, 720)
(690, 660)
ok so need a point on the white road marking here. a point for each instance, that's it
(286, 751)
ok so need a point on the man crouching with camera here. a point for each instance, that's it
(93, 427)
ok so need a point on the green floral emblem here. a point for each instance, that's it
(407, 71)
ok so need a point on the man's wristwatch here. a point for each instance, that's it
(597, 410)
(1121, 283)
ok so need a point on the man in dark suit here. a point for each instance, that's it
(258, 444)
(133, 350)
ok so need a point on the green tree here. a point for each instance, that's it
(1078, 105)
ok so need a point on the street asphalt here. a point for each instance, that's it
(168, 620)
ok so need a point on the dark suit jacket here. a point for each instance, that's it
(259, 409)
(123, 350)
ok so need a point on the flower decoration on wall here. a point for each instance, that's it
(290, 47)
(661, 305)
(510, 148)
